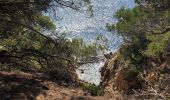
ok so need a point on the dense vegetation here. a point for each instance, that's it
(29, 43)
(146, 32)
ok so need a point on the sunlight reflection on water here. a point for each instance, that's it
(88, 28)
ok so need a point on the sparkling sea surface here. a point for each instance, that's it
(79, 25)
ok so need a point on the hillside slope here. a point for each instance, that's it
(26, 86)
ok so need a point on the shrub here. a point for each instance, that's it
(93, 89)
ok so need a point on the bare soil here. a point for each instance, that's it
(26, 86)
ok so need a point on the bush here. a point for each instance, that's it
(93, 89)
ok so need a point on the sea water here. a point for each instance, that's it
(79, 25)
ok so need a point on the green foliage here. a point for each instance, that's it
(129, 15)
(22, 31)
(45, 23)
(93, 89)
(134, 25)
(128, 20)
(81, 50)
(143, 30)
(158, 44)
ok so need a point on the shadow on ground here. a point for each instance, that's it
(14, 87)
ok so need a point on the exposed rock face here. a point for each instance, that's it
(108, 68)
(117, 78)
(108, 72)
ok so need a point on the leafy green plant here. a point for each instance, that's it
(156, 45)
(93, 89)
